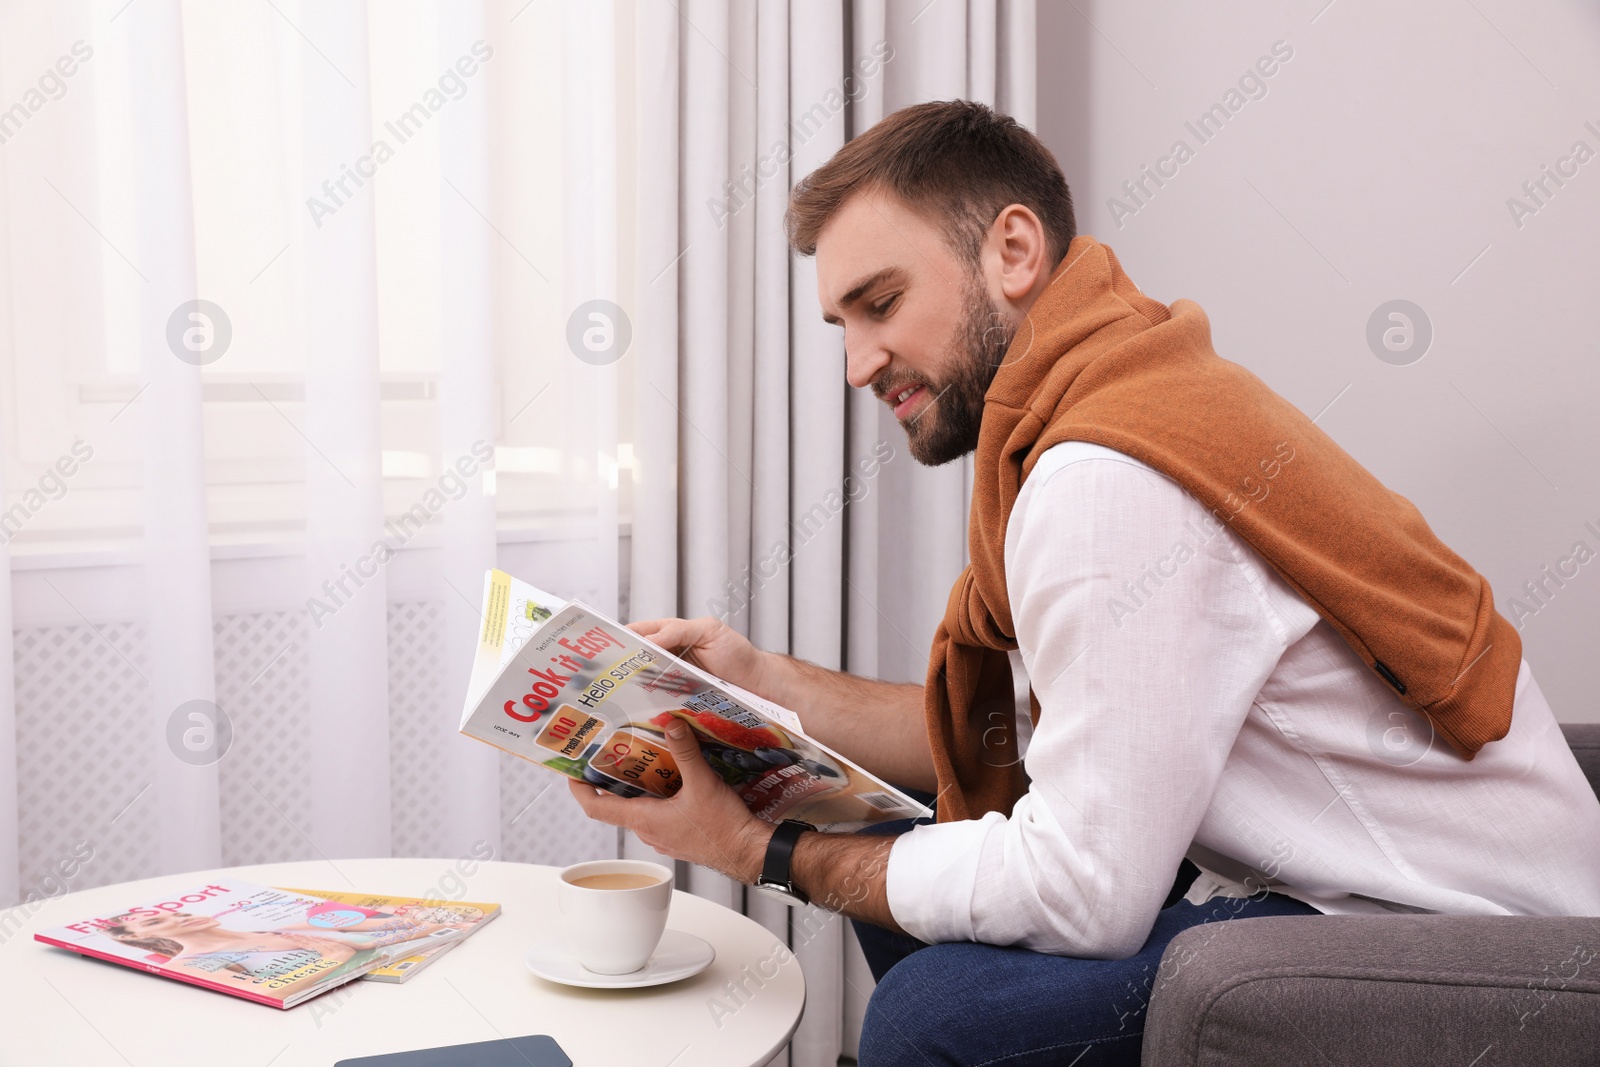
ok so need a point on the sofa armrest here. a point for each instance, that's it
(1584, 740)
(1378, 989)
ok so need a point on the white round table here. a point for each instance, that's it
(59, 1007)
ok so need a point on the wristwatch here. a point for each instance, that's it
(776, 880)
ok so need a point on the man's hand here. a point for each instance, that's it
(879, 725)
(714, 645)
(705, 822)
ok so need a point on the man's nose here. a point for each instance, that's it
(863, 361)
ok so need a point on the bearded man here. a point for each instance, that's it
(1261, 685)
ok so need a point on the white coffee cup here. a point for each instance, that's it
(612, 930)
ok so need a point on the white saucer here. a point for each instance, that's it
(678, 956)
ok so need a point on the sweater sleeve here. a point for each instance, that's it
(1147, 633)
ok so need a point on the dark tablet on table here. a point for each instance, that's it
(540, 1050)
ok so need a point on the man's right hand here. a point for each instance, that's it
(880, 725)
(713, 644)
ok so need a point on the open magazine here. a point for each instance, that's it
(273, 946)
(564, 686)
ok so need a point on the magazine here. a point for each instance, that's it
(456, 920)
(273, 946)
(562, 685)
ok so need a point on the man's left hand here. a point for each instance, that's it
(705, 822)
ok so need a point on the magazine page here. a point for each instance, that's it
(589, 698)
(779, 714)
(452, 922)
(273, 946)
(512, 611)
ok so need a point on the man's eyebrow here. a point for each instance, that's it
(857, 289)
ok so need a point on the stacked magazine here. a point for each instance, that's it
(275, 946)
(448, 923)
(564, 686)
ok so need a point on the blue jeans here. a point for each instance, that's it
(970, 1004)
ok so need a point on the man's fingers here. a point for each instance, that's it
(649, 627)
(608, 807)
(675, 634)
(666, 631)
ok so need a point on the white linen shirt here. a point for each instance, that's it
(1192, 703)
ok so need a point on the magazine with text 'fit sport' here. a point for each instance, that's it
(272, 946)
(562, 685)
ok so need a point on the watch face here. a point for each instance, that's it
(778, 892)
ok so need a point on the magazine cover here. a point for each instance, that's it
(455, 921)
(272, 946)
(559, 684)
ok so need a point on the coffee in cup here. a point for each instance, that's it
(613, 912)
(621, 880)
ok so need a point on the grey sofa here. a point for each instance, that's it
(1383, 991)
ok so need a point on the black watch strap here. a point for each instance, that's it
(775, 869)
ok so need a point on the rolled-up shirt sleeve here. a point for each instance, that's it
(1146, 632)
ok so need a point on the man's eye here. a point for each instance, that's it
(880, 309)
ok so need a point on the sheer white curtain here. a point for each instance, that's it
(239, 629)
(177, 556)
(348, 691)
(735, 102)
(10, 870)
(467, 415)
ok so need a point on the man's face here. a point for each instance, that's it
(920, 326)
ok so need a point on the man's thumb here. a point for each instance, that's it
(685, 749)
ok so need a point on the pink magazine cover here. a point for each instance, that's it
(272, 946)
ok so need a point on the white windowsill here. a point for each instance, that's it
(125, 552)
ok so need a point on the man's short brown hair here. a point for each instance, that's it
(953, 160)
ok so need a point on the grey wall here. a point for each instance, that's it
(1378, 166)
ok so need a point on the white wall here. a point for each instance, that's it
(1378, 166)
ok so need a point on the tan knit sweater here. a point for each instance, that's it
(1098, 361)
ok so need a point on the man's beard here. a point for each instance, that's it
(947, 428)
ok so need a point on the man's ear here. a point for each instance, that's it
(1017, 245)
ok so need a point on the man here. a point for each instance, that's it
(1243, 649)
